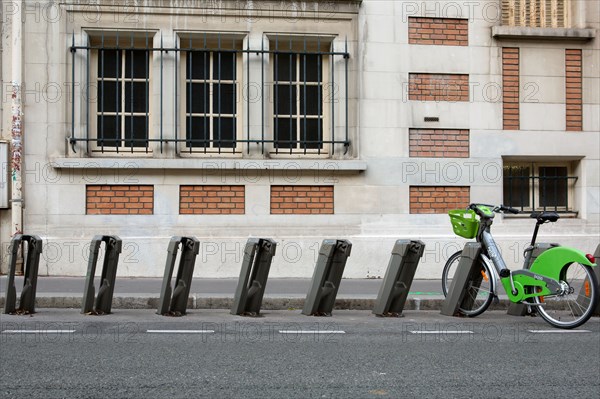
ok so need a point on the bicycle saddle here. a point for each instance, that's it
(545, 216)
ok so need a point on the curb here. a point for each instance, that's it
(197, 301)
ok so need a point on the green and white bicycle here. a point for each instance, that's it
(560, 284)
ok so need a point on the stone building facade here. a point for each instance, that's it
(364, 120)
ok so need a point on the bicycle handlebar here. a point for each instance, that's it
(509, 210)
(494, 208)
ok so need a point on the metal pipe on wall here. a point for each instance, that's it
(16, 143)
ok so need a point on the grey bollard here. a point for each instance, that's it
(398, 277)
(467, 274)
(103, 302)
(333, 255)
(258, 256)
(174, 302)
(519, 309)
(27, 301)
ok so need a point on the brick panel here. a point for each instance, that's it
(438, 87)
(438, 31)
(438, 200)
(510, 88)
(212, 200)
(439, 143)
(298, 200)
(574, 90)
(119, 200)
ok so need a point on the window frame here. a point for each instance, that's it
(211, 46)
(110, 44)
(534, 175)
(298, 48)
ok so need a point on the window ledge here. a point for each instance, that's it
(210, 164)
(524, 33)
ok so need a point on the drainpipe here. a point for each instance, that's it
(16, 143)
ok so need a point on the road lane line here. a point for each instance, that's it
(38, 331)
(180, 331)
(311, 332)
(442, 332)
(558, 331)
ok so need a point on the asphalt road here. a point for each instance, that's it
(137, 354)
(290, 287)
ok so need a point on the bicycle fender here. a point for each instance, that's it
(551, 262)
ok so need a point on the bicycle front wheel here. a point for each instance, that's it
(479, 291)
(577, 304)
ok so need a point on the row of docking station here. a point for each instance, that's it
(258, 256)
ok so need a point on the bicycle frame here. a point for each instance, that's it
(543, 277)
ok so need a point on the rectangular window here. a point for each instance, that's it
(211, 96)
(553, 186)
(302, 97)
(123, 106)
(539, 186)
(229, 97)
(536, 13)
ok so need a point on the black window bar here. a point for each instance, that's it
(521, 188)
(129, 54)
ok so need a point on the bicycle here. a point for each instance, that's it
(560, 282)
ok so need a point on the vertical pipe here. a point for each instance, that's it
(292, 123)
(276, 73)
(234, 91)
(101, 100)
(161, 93)
(147, 94)
(207, 103)
(332, 66)
(219, 91)
(262, 97)
(73, 85)
(189, 79)
(176, 94)
(120, 90)
(247, 93)
(87, 103)
(319, 95)
(16, 144)
(346, 57)
(131, 66)
(304, 92)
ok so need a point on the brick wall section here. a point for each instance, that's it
(438, 31)
(439, 143)
(574, 90)
(438, 200)
(438, 87)
(298, 200)
(510, 88)
(212, 200)
(119, 200)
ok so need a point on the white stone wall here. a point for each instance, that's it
(371, 206)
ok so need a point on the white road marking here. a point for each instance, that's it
(311, 332)
(558, 331)
(180, 331)
(442, 332)
(38, 331)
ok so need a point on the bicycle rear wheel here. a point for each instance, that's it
(577, 305)
(480, 291)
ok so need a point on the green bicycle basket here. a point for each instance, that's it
(464, 222)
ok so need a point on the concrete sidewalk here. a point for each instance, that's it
(144, 293)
